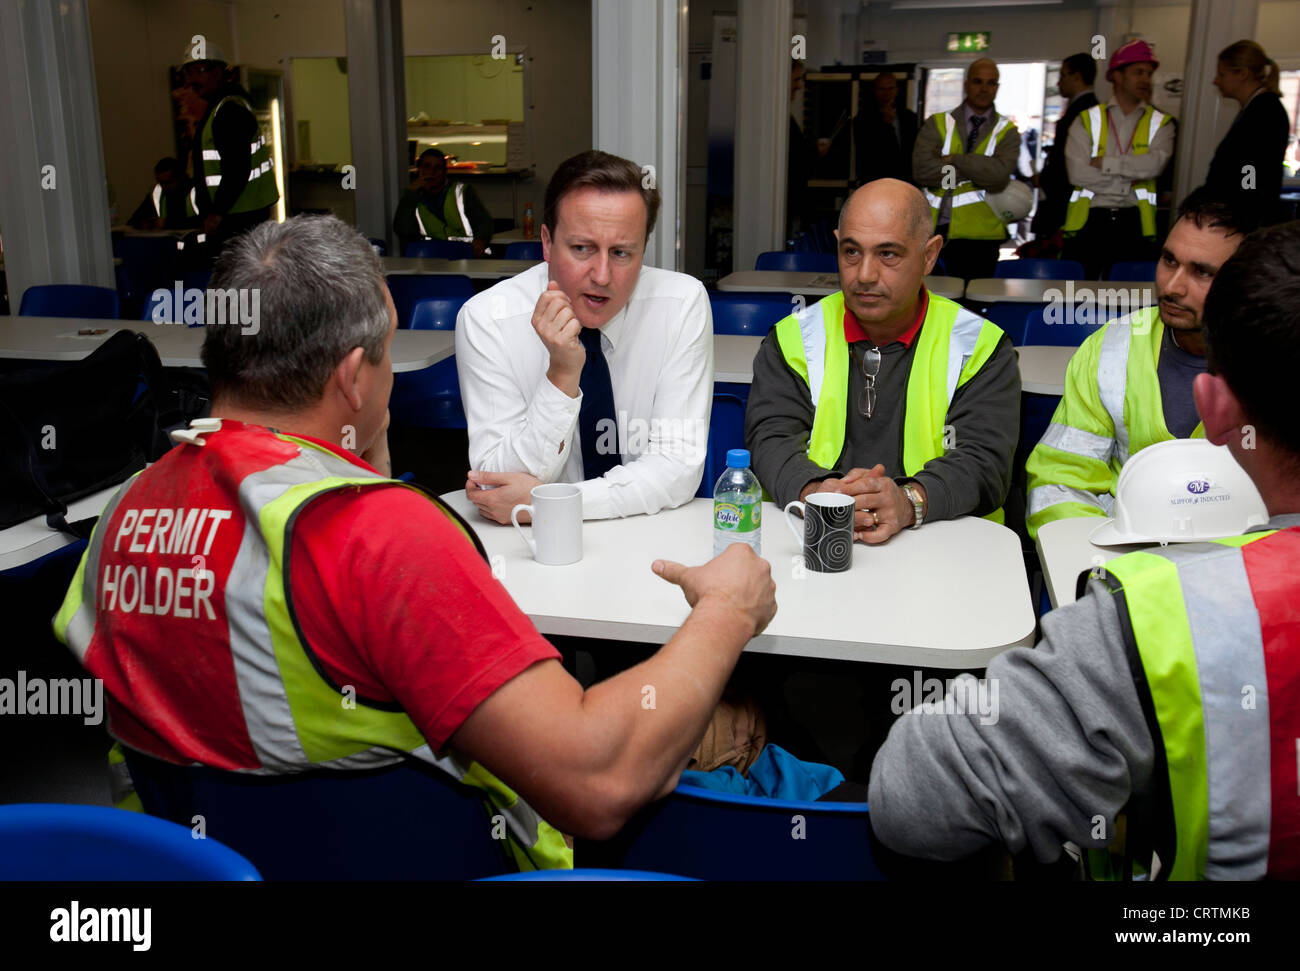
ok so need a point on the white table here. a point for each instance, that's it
(57, 339)
(1042, 368)
(733, 357)
(474, 269)
(30, 540)
(818, 284)
(1130, 296)
(1064, 552)
(949, 595)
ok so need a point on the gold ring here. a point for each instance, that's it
(875, 519)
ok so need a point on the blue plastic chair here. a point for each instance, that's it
(70, 300)
(148, 262)
(409, 289)
(723, 836)
(529, 249)
(748, 313)
(430, 397)
(580, 875)
(1010, 317)
(441, 249)
(1067, 333)
(1133, 271)
(407, 822)
(54, 841)
(1038, 269)
(726, 431)
(797, 262)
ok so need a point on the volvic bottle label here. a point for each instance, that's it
(736, 517)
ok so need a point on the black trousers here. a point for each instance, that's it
(1109, 236)
(970, 259)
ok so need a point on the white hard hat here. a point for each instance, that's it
(1182, 491)
(200, 45)
(1012, 203)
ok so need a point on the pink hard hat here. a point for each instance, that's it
(1134, 52)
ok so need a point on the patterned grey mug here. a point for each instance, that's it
(827, 533)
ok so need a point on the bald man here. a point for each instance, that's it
(883, 390)
(960, 156)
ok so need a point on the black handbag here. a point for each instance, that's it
(69, 431)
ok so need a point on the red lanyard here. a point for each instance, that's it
(1132, 134)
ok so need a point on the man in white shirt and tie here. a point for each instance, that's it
(589, 368)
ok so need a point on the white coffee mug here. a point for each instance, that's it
(557, 523)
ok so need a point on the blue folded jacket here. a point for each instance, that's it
(775, 774)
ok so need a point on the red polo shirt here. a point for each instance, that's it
(853, 330)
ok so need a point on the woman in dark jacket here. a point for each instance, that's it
(1247, 165)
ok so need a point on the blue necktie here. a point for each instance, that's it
(597, 404)
(976, 123)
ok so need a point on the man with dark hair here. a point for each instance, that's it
(1169, 690)
(434, 207)
(1130, 384)
(1078, 72)
(960, 156)
(168, 205)
(884, 133)
(234, 172)
(883, 390)
(589, 368)
(218, 598)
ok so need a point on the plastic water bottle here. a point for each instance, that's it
(737, 505)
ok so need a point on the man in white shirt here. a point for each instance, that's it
(630, 426)
(1114, 153)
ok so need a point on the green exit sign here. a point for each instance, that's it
(969, 42)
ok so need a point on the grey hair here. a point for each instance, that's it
(319, 292)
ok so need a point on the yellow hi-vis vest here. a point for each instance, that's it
(951, 347)
(1111, 410)
(291, 711)
(972, 216)
(1096, 123)
(453, 224)
(260, 191)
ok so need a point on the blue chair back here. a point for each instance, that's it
(748, 313)
(399, 823)
(1133, 271)
(529, 249)
(1038, 269)
(440, 249)
(797, 262)
(430, 397)
(580, 875)
(1068, 333)
(42, 841)
(723, 836)
(148, 262)
(1011, 317)
(380, 246)
(408, 289)
(726, 431)
(70, 300)
(940, 267)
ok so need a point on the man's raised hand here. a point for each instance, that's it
(558, 327)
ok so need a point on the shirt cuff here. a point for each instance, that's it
(556, 418)
(597, 499)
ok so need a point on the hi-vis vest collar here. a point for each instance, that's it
(972, 217)
(1210, 635)
(291, 709)
(1096, 122)
(950, 348)
(453, 207)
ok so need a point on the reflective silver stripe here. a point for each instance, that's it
(194, 197)
(420, 222)
(934, 200)
(1154, 123)
(81, 628)
(156, 195)
(992, 145)
(460, 207)
(947, 138)
(1046, 496)
(961, 346)
(968, 198)
(212, 180)
(1076, 441)
(1078, 194)
(1112, 380)
(1144, 195)
(521, 819)
(1230, 656)
(211, 155)
(1094, 129)
(812, 331)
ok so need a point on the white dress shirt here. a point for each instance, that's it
(1120, 168)
(660, 354)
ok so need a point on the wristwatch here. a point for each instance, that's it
(914, 498)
